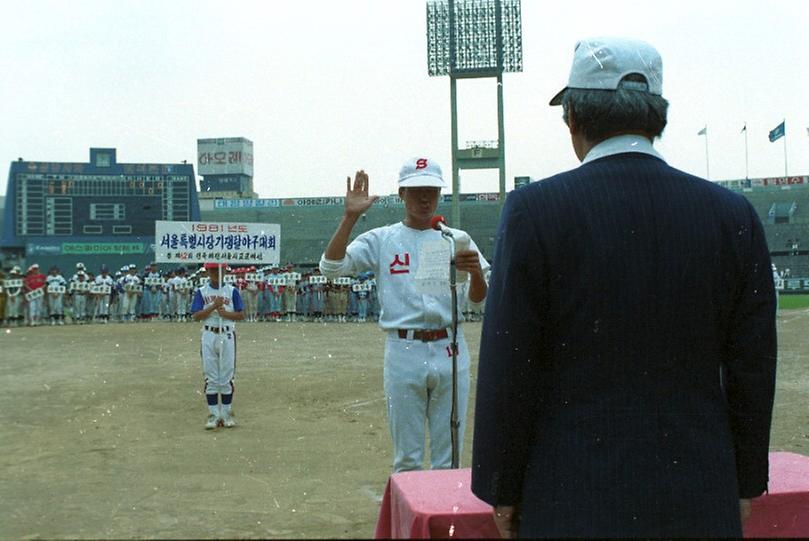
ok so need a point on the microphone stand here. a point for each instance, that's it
(453, 419)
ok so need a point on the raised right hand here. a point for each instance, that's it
(357, 200)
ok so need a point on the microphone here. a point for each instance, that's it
(440, 224)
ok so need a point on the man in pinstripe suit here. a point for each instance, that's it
(627, 363)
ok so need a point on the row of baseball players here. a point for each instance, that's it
(33, 297)
(269, 295)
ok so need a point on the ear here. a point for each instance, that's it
(571, 121)
(402, 192)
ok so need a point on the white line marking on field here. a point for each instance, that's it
(255, 479)
(360, 404)
(371, 493)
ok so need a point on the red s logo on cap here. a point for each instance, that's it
(421, 163)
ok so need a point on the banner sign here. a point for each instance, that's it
(761, 182)
(213, 242)
(32, 249)
(103, 248)
(35, 294)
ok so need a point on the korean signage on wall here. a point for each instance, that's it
(233, 242)
(384, 201)
(761, 182)
(102, 248)
(225, 156)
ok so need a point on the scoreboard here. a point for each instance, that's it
(75, 204)
(51, 206)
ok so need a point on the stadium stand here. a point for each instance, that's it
(308, 223)
(306, 229)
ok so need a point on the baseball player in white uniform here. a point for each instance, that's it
(152, 292)
(102, 308)
(56, 288)
(79, 294)
(180, 287)
(129, 296)
(14, 297)
(219, 308)
(418, 355)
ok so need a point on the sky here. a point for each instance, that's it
(324, 88)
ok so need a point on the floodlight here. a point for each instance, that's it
(478, 37)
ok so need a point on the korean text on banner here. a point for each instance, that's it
(200, 242)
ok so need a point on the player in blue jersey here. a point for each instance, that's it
(219, 308)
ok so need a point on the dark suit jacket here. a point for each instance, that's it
(620, 290)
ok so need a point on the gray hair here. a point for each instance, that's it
(600, 114)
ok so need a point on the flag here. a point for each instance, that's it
(778, 132)
(745, 128)
(703, 131)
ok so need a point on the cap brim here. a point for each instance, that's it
(557, 99)
(426, 181)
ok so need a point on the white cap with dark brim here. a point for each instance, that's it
(601, 64)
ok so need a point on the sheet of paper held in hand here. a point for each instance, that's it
(432, 277)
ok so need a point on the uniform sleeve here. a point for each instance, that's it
(484, 267)
(750, 370)
(238, 306)
(361, 255)
(511, 357)
(198, 303)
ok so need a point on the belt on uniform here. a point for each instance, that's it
(425, 335)
(216, 329)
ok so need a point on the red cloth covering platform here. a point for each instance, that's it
(439, 504)
(784, 510)
(435, 504)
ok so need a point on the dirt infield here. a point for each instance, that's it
(102, 433)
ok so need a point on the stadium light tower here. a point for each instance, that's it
(474, 39)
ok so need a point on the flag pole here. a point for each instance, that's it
(746, 159)
(707, 161)
(784, 122)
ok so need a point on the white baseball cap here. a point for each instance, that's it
(418, 172)
(601, 63)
